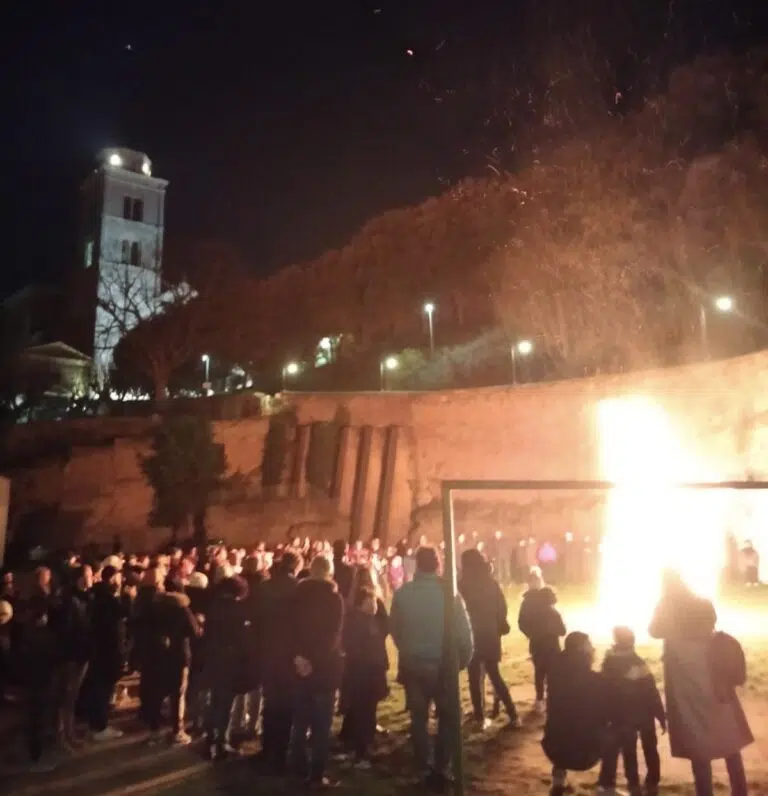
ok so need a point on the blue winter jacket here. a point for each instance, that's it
(417, 623)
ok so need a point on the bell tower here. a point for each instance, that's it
(123, 223)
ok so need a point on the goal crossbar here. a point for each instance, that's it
(476, 484)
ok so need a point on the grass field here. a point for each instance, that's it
(497, 761)
(500, 762)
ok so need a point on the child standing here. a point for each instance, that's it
(366, 673)
(635, 707)
(540, 622)
(577, 711)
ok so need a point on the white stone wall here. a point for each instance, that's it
(127, 292)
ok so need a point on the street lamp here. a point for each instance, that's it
(290, 369)
(721, 304)
(206, 360)
(388, 363)
(429, 308)
(523, 348)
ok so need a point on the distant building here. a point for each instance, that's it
(123, 223)
(36, 328)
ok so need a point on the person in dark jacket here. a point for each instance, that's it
(636, 706)
(343, 573)
(487, 609)
(578, 711)
(363, 579)
(277, 666)
(172, 629)
(224, 659)
(152, 583)
(366, 666)
(245, 713)
(38, 663)
(318, 616)
(76, 649)
(199, 599)
(107, 658)
(540, 622)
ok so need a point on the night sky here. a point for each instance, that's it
(282, 126)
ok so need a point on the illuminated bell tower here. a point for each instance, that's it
(123, 212)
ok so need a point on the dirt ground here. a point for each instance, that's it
(497, 761)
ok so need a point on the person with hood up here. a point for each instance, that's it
(635, 707)
(487, 609)
(705, 717)
(107, 660)
(578, 711)
(318, 618)
(540, 622)
(172, 629)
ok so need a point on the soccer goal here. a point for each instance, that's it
(448, 491)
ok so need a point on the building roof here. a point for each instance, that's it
(57, 350)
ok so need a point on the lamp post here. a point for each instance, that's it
(388, 363)
(722, 304)
(523, 348)
(429, 308)
(206, 360)
(289, 369)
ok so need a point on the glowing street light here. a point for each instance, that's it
(115, 160)
(429, 308)
(206, 360)
(386, 364)
(722, 304)
(523, 348)
(290, 369)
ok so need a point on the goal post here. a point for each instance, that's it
(447, 490)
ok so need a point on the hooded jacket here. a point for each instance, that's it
(540, 622)
(578, 713)
(418, 625)
(634, 698)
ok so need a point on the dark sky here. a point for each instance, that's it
(282, 126)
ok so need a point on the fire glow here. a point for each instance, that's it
(649, 524)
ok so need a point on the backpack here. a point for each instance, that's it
(728, 663)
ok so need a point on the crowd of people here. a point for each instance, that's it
(228, 644)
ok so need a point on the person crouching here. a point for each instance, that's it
(577, 711)
(366, 666)
(635, 707)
